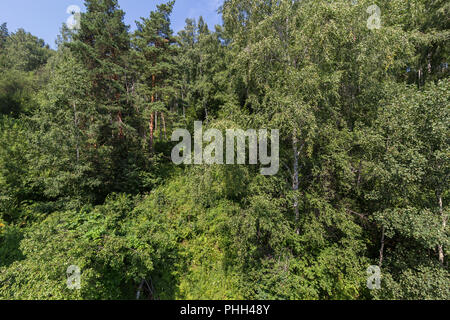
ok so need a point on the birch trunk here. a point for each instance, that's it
(76, 128)
(382, 247)
(164, 125)
(151, 123)
(444, 225)
(295, 182)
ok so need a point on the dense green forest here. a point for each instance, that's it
(86, 177)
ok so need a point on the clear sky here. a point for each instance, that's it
(43, 18)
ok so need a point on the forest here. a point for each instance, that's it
(358, 89)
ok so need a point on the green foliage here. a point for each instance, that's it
(113, 245)
(407, 160)
(17, 93)
(202, 70)
(15, 186)
(22, 57)
(24, 51)
(86, 177)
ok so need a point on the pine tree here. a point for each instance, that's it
(102, 46)
(4, 34)
(25, 52)
(186, 62)
(202, 62)
(155, 51)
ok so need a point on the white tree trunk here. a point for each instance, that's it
(75, 120)
(295, 182)
(444, 225)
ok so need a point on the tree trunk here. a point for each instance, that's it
(76, 128)
(295, 182)
(358, 182)
(156, 121)
(206, 111)
(119, 120)
(138, 294)
(444, 225)
(151, 123)
(164, 125)
(182, 102)
(420, 77)
(382, 247)
(152, 117)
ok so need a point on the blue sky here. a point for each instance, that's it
(43, 18)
